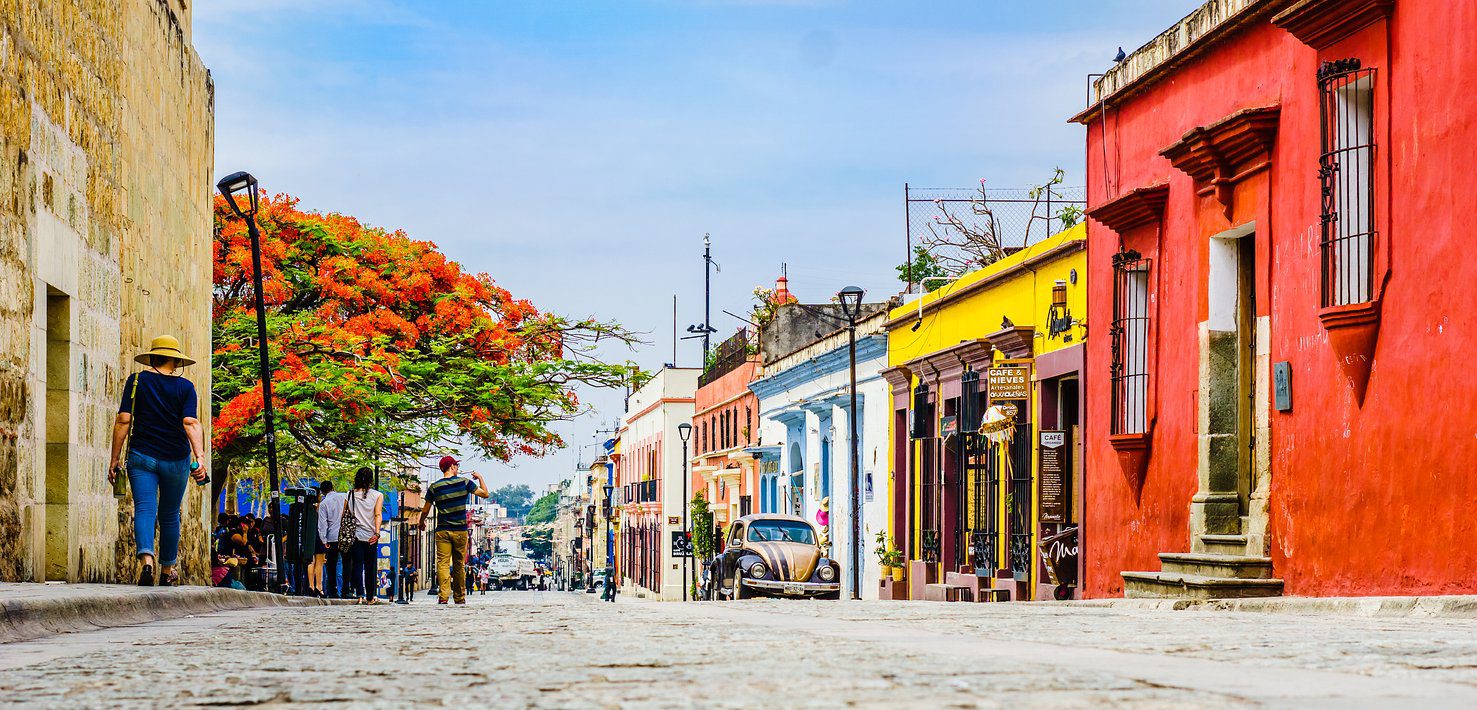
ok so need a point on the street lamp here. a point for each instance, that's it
(234, 187)
(851, 305)
(684, 432)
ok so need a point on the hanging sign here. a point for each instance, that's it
(1009, 383)
(1052, 479)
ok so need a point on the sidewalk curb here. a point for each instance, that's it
(1442, 607)
(30, 619)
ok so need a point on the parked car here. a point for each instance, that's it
(772, 555)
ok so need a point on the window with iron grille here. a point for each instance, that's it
(1346, 177)
(1129, 339)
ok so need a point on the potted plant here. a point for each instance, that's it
(889, 558)
(881, 550)
(895, 562)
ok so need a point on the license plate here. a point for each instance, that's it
(794, 589)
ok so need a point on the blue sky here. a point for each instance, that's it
(577, 151)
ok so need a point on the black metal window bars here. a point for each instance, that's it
(1346, 179)
(1129, 339)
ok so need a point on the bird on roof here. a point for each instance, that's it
(1006, 322)
(1121, 56)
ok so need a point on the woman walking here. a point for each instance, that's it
(157, 420)
(368, 505)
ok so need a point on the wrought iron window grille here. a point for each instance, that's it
(1346, 181)
(1128, 340)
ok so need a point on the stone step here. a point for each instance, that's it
(1169, 585)
(1223, 544)
(1216, 565)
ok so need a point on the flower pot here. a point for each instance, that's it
(897, 574)
(886, 571)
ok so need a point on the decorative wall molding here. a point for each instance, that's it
(1321, 23)
(1224, 153)
(1137, 208)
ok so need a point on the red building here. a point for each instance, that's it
(1278, 256)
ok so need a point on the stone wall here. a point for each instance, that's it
(106, 123)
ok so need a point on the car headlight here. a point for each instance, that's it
(827, 574)
(758, 570)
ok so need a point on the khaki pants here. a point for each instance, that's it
(451, 558)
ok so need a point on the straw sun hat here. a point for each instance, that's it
(164, 346)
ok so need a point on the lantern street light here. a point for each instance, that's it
(851, 306)
(684, 432)
(237, 187)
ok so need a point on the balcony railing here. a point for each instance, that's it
(727, 356)
(643, 492)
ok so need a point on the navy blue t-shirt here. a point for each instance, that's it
(158, 419)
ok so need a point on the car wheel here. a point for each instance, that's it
(738, 588)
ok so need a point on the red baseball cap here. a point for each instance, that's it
(448, 462)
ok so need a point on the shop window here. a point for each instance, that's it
(1346, 176)
(1129, 339)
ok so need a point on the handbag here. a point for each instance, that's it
(347, 525)
(120, 475)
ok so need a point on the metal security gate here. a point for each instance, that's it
(1019, 497)
(982, 471)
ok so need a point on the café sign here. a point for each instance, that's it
(1009, 383)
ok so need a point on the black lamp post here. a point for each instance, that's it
(684, 432)
(851, 305)
(232, 187)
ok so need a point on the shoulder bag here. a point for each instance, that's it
(120, 475)
(347, 525)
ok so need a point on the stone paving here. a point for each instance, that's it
(556, 649)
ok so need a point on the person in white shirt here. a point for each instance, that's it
(330, 514)
(368, 506)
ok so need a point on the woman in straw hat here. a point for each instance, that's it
(158, 421)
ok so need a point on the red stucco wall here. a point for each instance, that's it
(1365, 500)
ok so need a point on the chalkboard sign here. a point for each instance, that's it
(1055, 467)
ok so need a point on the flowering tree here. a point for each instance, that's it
(384, 349)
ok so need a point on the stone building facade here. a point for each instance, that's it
(106, 130)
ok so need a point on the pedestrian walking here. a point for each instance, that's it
(450, 496)
(157, 425)
(407, 581)
(482, 580)
(367, 505)
(330, 516)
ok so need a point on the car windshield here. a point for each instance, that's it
(781, 531)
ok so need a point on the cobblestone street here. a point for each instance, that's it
(568, 650)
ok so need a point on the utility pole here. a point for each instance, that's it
(707, 294)
(705, 330)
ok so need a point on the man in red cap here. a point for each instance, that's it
(450, 496)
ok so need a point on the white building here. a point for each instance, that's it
(649, 482)
(805, 410)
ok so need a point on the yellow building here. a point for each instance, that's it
(998, 350)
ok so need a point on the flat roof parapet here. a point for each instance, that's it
(1188, 37)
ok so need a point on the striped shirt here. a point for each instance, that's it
(451, 495)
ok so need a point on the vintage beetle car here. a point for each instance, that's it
(773, 555)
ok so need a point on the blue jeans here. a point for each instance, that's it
(158, 490)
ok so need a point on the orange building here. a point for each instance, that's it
(724, 428)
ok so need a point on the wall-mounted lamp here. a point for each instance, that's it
(1058, 317)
